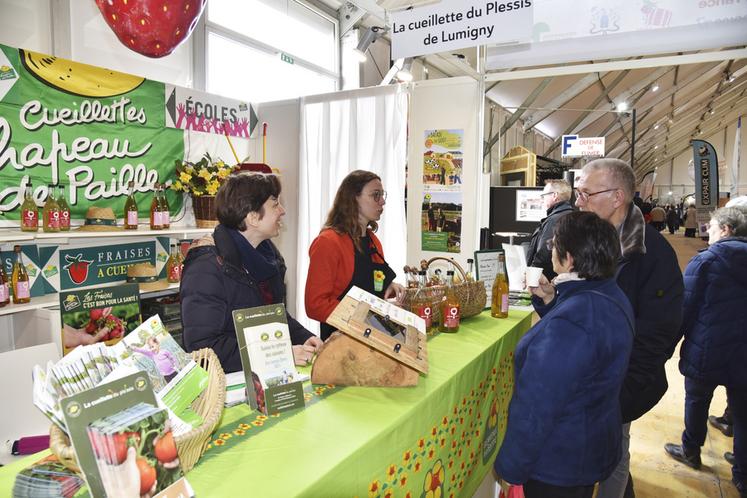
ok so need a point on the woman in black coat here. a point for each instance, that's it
(243, 269)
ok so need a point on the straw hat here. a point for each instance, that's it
(146, 276)
(100, 219)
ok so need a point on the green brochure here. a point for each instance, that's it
(267, 359)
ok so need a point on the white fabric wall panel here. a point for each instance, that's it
(447, 104)
(25, 24)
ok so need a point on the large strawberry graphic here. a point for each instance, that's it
(151, 27)
(77, 268)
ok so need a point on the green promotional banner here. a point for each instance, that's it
(89, 129)
(84, 266)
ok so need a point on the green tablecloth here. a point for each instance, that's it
(436, 439)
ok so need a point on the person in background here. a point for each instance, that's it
(658, 217)
(715, 346)
(564, 432)
(556, 197)
(347, 253)
(673, 221)
(239, 267)
(650, 276)
(691, 221)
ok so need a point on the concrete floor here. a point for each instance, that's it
(655, 474)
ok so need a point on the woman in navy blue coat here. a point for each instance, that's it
(239, 267)
(564, 420)
(714, 352)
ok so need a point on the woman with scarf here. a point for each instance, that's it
(564, 421)
(243, 269)
(347, 253)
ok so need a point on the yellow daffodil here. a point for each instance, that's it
(212, 187)
(185, 177)
(204, 174)
(177, 185)
(223, 173)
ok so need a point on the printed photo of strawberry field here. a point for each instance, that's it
(105, 314)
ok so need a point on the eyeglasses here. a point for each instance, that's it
(550, 243)
(378, 195)
(547, 193)
(584, 196)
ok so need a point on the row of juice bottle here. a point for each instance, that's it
(18, 281)
(56, 212)
(423, 302)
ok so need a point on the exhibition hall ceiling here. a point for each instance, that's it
(673, 103)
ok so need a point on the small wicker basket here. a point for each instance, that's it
(204, 208)
(471, 294)
(191, 445)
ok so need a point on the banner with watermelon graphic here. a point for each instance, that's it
(93, 130)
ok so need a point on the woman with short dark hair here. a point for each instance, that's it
(564, 420)
(239, 268)
(347, 252)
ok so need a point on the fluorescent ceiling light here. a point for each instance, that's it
(654, 88)
(622, 106)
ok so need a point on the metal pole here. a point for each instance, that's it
(632, 143)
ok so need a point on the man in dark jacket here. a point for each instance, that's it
(234, 273)
(557, 198)
(650, 277)
(715, 346)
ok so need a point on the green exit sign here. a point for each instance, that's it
(286, 58)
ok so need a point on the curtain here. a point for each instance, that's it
(341, 132)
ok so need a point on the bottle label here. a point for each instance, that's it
(175, 273)
(132, 217)
(4, 292)
(165, 218)
(157, 219)
(65, 219)
(426, 313)
(451, 318)
(30, 218)
(22, 289)
(53, 220)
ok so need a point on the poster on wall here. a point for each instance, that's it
(93, 130)
(441, 221)
(529, 205)
(442, 159)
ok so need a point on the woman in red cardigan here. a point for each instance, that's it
(346, 252)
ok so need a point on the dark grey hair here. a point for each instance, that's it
(619, 171)
(735, 219)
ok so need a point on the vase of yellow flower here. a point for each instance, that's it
(201, 181)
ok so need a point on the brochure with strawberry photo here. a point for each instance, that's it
(272, 382)
(102, 314)
(123, 441)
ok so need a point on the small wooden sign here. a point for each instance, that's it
(378, 344)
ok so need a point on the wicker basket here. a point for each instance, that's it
(472, 296)
(204, 208)
(191, 445)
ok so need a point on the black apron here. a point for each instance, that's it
(367, 275)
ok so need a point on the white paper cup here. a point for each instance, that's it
(533, 276)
